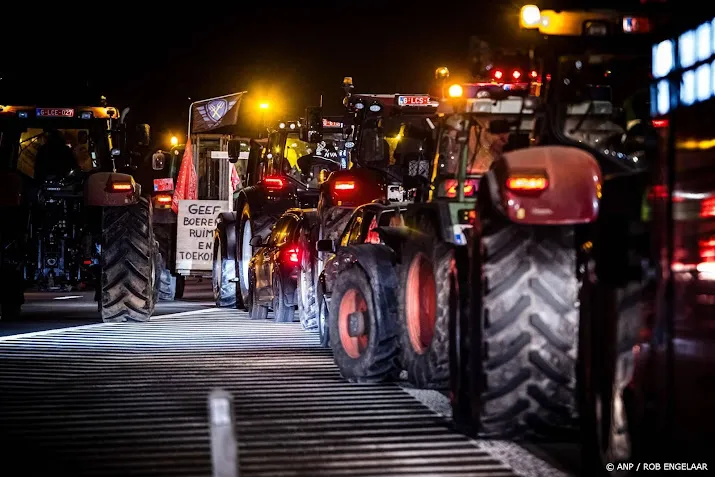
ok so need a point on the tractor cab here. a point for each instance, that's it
(51, 143)
(389, 144)
(592, 70)
(478, 122)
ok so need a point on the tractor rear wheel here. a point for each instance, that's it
(424, 308)
(306, 292)
(224, 271)
(368, 351)
(523, 350)
(128, 263)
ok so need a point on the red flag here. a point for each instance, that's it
(235, 180)
(186, 183)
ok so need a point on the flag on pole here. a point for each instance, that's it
(211, 114)
(187, 182)
(235, 180)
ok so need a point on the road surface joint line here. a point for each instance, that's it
(100, 325)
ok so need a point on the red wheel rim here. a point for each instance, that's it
(421, 303)
(352, 301)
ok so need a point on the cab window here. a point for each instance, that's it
(282, 231)
(353, 228)
(371, 236)
(272, 154)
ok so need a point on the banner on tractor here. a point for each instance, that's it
(195, 234)
(187, 182)
(215, 113)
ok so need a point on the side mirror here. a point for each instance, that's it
(313, 130)
(499, 126)
(143, 134)
(256, 241)
(234, 150)
(325, 245)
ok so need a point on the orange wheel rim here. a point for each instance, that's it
(421, 303)
(352, 301)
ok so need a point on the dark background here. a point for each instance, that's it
(157, 58)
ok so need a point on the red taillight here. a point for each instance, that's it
(527, 183)
(87, 262)
(162, 201)
(516, 74)
(660, 123)
(498, 74)
(470, 188)
(274, 183)
(121, 186)
(291, 255)
(534, 74)
(344, 185)
(661, 192)
(707, 250)
(707, 208)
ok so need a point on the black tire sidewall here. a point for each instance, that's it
(364, 367)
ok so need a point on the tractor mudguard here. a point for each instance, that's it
(10, 189)
(395, 237)
(572, 190)
(377, 261)
(98, 190)
(228, 220)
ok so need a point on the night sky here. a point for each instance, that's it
(288, 54)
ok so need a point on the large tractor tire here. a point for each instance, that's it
(323, 318)
(256, 311)
(165, 283)
(424, 308)
(333, 222)
(283, 312)
(523, 350)
(308, 281)
(163, 233)
(248, 227)
(610, 323)
(369, 353)
(224, 270)
(128, 263)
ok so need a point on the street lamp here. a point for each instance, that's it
(174, 140)
(264, 106)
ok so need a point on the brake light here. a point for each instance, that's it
(470, 188)
(498, 74)
(534, 74)
(516, 74)
(660, 123)
(274, 183)
(707, 250)
(527, 183)
(344, 185)
(707, 208)
(121, 186)
(291, 256)
(162, 201)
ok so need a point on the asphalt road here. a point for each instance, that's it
(48, 311)
(219, 338)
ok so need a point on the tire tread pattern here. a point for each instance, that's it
(530, 320)
(128, 250)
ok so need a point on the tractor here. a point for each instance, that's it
(73, 214)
